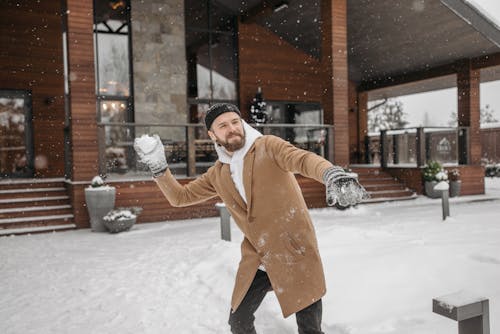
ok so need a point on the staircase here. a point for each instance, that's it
(33, 206)
(381, 186)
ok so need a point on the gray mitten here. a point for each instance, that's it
(343, 189)
(151, 152)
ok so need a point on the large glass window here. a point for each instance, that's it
(211, 56)
(114, 86)
(112, 59)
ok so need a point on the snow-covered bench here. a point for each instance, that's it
(471, 312)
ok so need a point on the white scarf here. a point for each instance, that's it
(236, 160)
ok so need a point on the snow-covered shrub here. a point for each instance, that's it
(122, 213)
(434, 172)
(492, 170)
(97, 182)
(454, 175)
(121, 219)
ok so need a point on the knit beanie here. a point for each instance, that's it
(218, 109)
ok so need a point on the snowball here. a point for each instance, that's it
(146, 143)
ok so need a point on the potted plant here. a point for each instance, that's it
(432, 174)
(121, 219)
(455, 182)
(99, 198)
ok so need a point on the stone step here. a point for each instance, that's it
(35, 211)
(390, 193)
(36, 229)
(381, 187)
(378, 181)
(32, 192)
(35, 219)
(33, 201)
(390, 199)
(31, 183)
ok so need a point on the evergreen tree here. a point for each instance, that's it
(487, 116)
(258, 113)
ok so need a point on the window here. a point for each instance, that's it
(308, 134)
(113, 60)
(114, 86)
(16, 144)
(211, 56)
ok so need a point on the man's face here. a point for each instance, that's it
(227, 130)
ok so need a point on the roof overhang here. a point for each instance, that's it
(391, 43)
(394, 39)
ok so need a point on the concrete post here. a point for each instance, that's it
(444, 187)
(225, 221)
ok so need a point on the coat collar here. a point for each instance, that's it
(250, 136)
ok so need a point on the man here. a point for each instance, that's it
(254, 176)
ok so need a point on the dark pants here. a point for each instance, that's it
(242, 321)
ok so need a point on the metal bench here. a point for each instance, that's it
(471, 312)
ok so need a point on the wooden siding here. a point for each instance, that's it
(31, 58)
(472, 178)
(82, 87)
(284, 72)
(490, 144)
(156, 207)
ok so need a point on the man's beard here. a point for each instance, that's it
(232, 146)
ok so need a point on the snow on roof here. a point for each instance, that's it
(492, 14)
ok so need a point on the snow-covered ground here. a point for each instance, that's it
(384, 263)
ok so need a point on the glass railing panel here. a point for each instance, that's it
(442, 145)
(402, 147)
(118, 157)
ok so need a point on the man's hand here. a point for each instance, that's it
(343, 189)
(150, 151)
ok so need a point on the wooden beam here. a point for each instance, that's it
(335, 74)
(409, 77)
(486, 61)
(443, 70)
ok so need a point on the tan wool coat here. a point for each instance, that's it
(275, 222)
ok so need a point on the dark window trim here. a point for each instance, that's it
(130, 114)
(211, 32)
(26, 95)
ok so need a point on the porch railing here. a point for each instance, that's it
(413, 147)
(188, 148)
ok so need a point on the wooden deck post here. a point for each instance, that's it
(335, 78)
(468, 81)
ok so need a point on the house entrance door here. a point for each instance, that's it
(16, 139)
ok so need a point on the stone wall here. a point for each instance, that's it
(159, 61)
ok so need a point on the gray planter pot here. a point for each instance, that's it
(429, 189)
(99, 202)
(455, 187)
